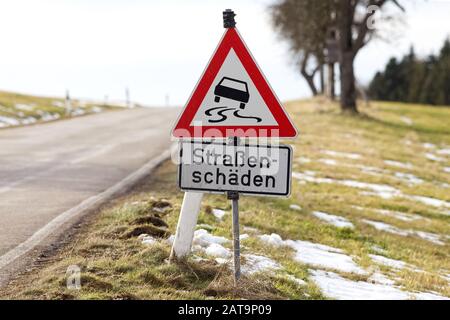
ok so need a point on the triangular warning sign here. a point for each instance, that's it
(233, 98)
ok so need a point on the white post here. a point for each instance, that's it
(186, 224)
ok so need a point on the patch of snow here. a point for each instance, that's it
(148, 240)
(397, 264)
(336, 221)
(28, 120)
(386, 227)
(78, 112)
(431, 237)
(218, 251)
(398, 164)
(250, 229)
(170, 239)
(203, 238)
(59, 104)
(8, 121)
(256, 263)
(381, 190)
(330, 162)
(296, 280)
(316, 254)
(380, 278)
(243, 236)
(295, 207)
(96, 109)
(408, 217)
(428, 145)
(348, 155)
(431, 201)
(303, 160)
(23, 106)
(369, 169)
(323, 256)
(445, 151)
(378, 249)
(433, 157)
(49, 116)
(406, 120)
(272, 239)
(218, 213)
(337, 287)
(408, 178)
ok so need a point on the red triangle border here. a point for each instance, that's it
(232, 39)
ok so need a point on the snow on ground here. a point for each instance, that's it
(409, 178)
(347, 155)
(447, 169)
(372, 189)
(444, 151)
(255, 263)
(316, 254)
(387, 262)
(431, 237)
(406, 120)
(398, 164)
(218, 213)
(250, 229)
(408, 217)
(329, 162)
(378, 249)
(431, 201)
(331, 284)
(433, 157)
(303, 160)
(8, 121)
(295, 207)
(337, 287)
(381, 190)
(428, 145)
(336, 221)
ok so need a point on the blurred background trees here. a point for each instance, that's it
(411, 79)
(325, 32)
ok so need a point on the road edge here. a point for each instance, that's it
(64, 221)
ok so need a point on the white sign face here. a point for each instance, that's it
(233, 99)
(248, 169)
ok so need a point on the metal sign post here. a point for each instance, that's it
(234, 197)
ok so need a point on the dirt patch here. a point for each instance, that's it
(147, 229)
(153, 219)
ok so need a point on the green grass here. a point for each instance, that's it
(116, 266)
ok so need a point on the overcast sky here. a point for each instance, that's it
(157, 48)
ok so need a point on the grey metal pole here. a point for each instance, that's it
(234, 197)
(229, 22)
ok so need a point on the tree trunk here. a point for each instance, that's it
(346, 56)
(322, 79)
(348, 90)
(330, 81)
(310, 80)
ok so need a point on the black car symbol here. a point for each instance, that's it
(232, 89)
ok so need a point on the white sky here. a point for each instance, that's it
(157, 48)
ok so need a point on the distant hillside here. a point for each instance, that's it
(21, 109)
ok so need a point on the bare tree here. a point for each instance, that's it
(303, 24)
(353, 17)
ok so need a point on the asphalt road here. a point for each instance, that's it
(48, 169)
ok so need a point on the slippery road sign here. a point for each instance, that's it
(247, 169)
(233, 98)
